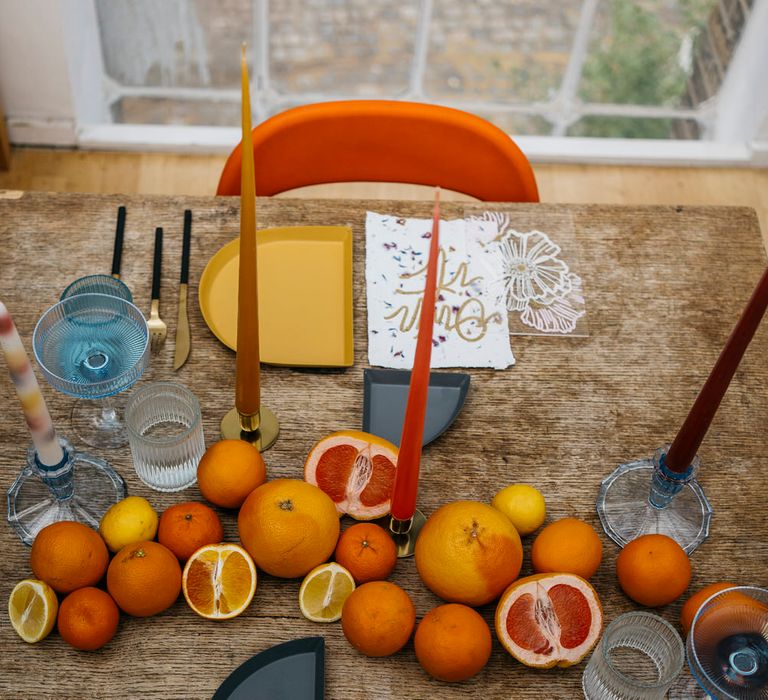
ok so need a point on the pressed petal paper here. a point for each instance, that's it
(471, 326)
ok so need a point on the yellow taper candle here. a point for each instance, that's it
(248, 390)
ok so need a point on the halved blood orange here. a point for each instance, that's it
(356, 469)
(549, 620)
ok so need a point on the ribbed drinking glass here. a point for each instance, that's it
(165, 432)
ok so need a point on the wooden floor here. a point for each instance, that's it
(164, 173)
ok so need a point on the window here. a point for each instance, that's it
(549, 72)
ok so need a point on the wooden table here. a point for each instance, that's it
(664, 287)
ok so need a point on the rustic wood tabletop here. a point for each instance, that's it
(664, 287)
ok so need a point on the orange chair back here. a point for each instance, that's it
(384, 141)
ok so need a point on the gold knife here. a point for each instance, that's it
(182, 323)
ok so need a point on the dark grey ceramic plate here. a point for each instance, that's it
(291, 671)
(386, 394)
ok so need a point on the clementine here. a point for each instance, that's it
(653, 570)
(568, 545)
(378, 618)
(144, 578)
(468, 552)
(367, 552)
(186, 527)
(68, 555)
(228, 471)
(356, 469)
(88, 618)
(692, 605)
(452, 642)
(549, 620)
(288, 527)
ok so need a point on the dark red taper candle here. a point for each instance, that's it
(695, 427)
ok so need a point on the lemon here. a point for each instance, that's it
(128, 521)
(32, 607)
(323, 592)
(523, 505)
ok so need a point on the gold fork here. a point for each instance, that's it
(157, 327)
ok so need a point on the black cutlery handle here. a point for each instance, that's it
(117, 253)
(157, 263)
(185, 246)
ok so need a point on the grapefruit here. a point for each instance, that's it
(468, 552)
(549, 620)
(356, 469)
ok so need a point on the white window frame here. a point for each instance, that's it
(56, 43)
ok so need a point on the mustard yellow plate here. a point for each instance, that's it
(305, 295)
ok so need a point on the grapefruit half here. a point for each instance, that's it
(549, 620)
(356, 469)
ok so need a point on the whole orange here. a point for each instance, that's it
(186, 527)
(367, 552)
(288, 527)
(88, 618)
(68, 555)
(468, 552)
(568, 546)
(653, 570)
(144, 578)
(452, 642)
(377, 618)
(228, 471)
(692, 605)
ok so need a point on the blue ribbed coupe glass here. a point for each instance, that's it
(93, 346)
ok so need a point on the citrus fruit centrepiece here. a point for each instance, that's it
(549, 620)
(324, 591)
(452, 642)
(567, 546)
(523, 505)
(356, 469)
(228, 471)
(289, 527)
(653, 570)
(144, 578)
(185, 527)
(468, 552)
(32, 608)
(378, 618)
(219, 581)
(131, 520)
(367, 551)
(69, 555)
(88, 618)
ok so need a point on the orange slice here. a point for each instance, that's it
(219, 581)
(549, 620)
(356, 469)
(32, 608)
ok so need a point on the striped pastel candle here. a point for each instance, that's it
(49, 452)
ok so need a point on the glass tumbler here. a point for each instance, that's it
(638, 658)
(165, 432)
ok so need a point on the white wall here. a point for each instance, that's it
(34, 80)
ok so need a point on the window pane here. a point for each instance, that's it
(355, 47)
(635, 128)
(500, 50)
(174, 43)
(643, 52)
(173, 110)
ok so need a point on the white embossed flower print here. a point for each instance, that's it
(533, 272)
(536, 282)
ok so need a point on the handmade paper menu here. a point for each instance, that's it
(471, 328)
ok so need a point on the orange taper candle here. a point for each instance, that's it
(247, 391)
(406, 484)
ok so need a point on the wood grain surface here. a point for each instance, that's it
(664, 286)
